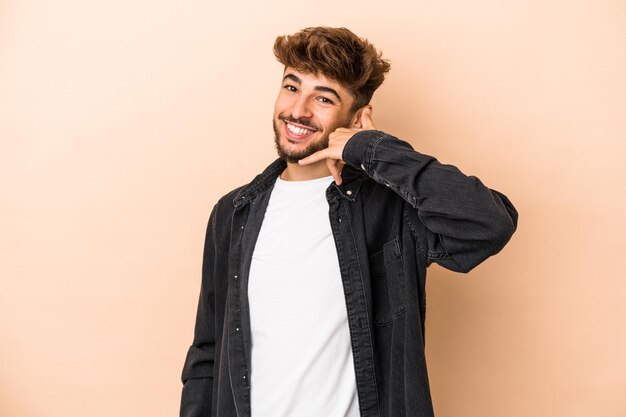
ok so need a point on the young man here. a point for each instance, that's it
(313, 279)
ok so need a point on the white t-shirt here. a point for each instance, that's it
(302, 364)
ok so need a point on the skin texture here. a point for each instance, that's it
(302, 102)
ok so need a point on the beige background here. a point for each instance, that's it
(123, 122)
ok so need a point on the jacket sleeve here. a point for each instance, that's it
(464, 221)
(197, 374)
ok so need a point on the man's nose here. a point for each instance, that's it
(301, 109)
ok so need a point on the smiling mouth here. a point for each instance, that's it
(297, 132)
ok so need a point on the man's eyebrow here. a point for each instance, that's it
(297, 80)
(292, 77)
(328, 90)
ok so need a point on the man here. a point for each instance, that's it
(312, 300)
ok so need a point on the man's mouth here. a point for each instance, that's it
(298, 132)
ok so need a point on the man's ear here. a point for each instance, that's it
(356, 118)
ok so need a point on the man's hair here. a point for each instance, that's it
(339, 55)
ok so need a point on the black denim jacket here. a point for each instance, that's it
(396, 212)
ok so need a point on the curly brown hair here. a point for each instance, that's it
(339, 55)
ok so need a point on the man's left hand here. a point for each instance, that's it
(336, 142)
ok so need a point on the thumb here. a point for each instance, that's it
(366, 119)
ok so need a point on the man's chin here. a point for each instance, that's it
(292, 157)
(305, 148)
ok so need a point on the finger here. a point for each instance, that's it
(331, 164)
(366, 119)
(313, 157)
(340, 131)
(340, 165)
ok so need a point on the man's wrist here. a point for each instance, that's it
(355, 152)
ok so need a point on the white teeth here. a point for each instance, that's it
(298, 130)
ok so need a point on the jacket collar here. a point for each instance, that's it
(349, 188)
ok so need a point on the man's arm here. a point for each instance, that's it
(197, 374)
(465, 221)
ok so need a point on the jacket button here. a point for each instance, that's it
(340, 220)
(362, 167)
(237, 329)
(242, 227)
(235, 276)
(349, 192)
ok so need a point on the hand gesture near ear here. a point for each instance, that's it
(336, 142)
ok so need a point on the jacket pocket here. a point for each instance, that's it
(388, 283)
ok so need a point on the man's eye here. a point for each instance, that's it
(326, 100)
(288, 87)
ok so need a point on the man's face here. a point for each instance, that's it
(307, 110)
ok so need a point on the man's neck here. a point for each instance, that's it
(295, 172)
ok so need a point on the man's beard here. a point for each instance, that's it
(295, 156)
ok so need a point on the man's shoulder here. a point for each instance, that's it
(226, 203)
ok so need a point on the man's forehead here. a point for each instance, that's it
(320, 78)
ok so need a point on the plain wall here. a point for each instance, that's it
(123, 122)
